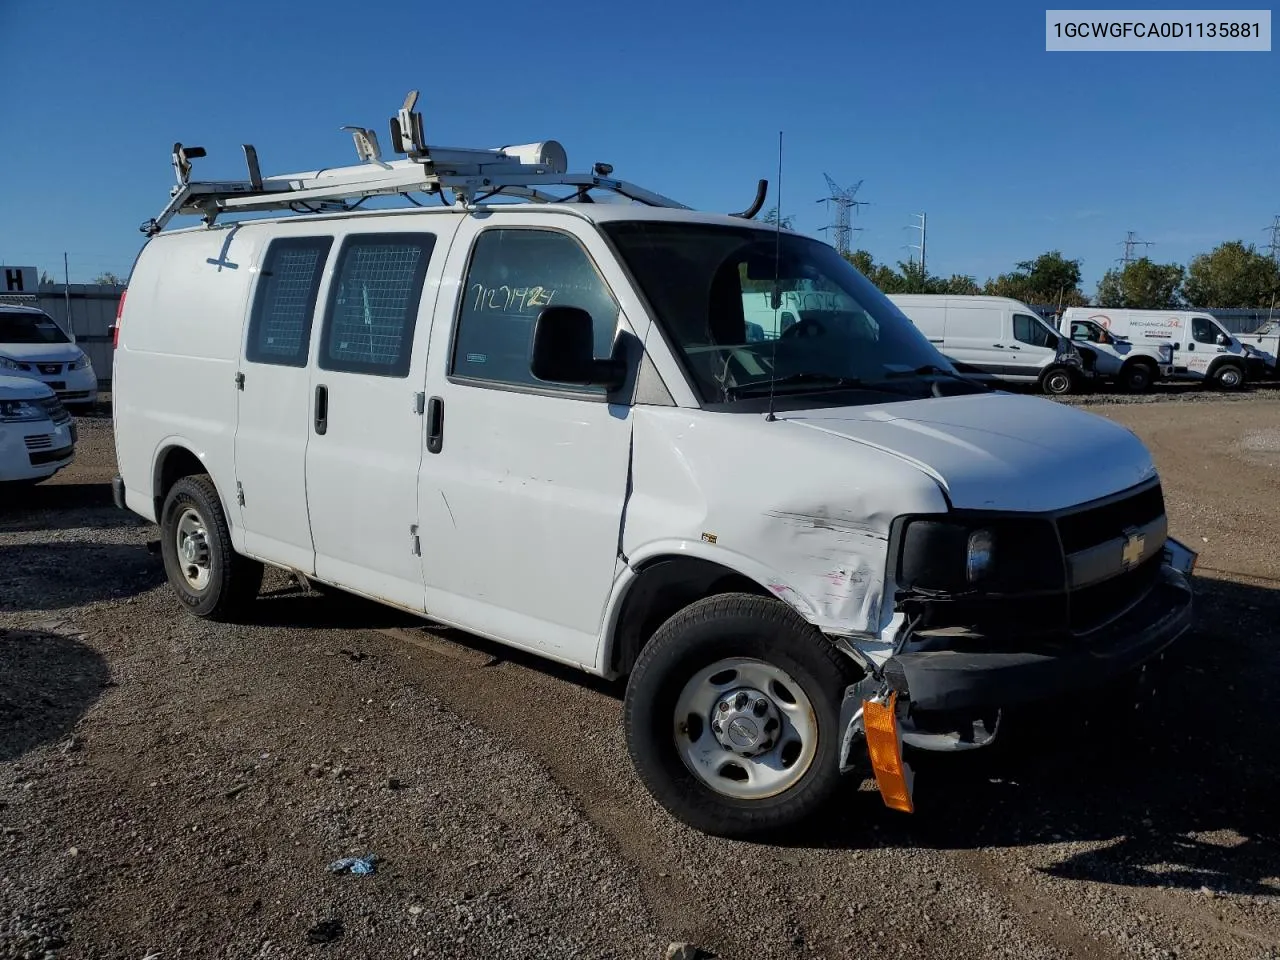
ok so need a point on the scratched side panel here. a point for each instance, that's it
(806, 515)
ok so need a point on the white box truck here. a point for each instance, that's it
(1200, 347)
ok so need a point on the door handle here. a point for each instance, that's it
(998, 346)
(322, 408)
(935, 339)
(1014, 347)
(435, 424)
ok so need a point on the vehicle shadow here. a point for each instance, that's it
(47, 683)
(286, 603)
(1177, 776)
(54, 506)
(54, 576)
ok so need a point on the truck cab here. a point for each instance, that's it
(1115, 359)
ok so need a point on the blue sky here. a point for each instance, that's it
(951, 109)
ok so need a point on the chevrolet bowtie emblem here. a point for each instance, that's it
(1134, 544)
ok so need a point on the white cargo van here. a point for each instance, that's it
(1116, 359)
(997, 338)
(37, 435)
(1200, 348)
(544, 423)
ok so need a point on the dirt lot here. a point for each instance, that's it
(171, 788)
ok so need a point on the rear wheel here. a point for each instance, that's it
(1229, 377)
(209, 577)
(1137, 377)
(1057, 381)
(732, 715)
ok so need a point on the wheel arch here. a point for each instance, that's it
(1227, 361)
(658, 587)
(173, 461)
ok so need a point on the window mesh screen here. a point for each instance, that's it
(289, 304)
(376, 299)
(280, 329)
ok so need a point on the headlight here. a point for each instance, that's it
(1000, 555)
(7, 364)
(978, 561)
(1166, 352)
(20, 411)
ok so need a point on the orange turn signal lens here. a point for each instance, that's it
(885, 747)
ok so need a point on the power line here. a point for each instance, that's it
(1274, 246)
(843, 198)
(1129, 242)
(921, 245)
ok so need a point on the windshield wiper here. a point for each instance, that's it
(934, 369)
(822, 381)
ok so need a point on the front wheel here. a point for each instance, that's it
(1057, 382)
(206, 573)
(1137, 378)
(732, 715)
(1229, 377)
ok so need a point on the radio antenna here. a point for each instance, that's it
(775, 300)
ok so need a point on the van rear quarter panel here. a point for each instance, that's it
(175, 366)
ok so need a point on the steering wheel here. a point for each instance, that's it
(807, 327)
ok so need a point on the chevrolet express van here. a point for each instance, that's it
(544, 423)
(1199, 346)
(997, 338)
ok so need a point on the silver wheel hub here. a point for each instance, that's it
(745, 728)
(746, 722)
(191, 538)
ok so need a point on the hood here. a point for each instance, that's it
(41, 352)
(23, 388)
(998, 451)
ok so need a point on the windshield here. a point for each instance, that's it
(29, 328)
(826, 327)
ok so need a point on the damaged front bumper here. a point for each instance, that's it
(975, 676)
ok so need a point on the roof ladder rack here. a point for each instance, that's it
(523, 171)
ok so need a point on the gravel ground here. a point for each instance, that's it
(174, 788)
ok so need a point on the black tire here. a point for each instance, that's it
(712, 629)
(1057, 382)
(1229, 376)
(233, 580)
(1138, 377)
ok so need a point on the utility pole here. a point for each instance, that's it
(921, 245)
(66, 294)
(1274, 246)
(1129, 242)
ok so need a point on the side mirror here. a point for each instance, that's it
(564, 351)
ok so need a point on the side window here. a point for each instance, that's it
(1028, 330)
(280, 324)
(514, 273)
(1203, 330)
(373, 304)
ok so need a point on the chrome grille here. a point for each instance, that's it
(42, 442)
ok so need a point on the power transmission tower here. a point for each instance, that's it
(843, 198)
(1129, 242)
(921, 245)
(1274, 246)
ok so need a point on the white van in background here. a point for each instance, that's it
(33, 345)
(1116, 359)
(996, 337)
(1263, 345)
(1201, 348)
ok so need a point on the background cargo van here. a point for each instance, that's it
(996, 337)
(1201, 347)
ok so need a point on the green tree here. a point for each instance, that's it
(1232, 275)
(108, 278)
(771, 217)
(46, 278)
(1142, 285)
(1048, 278)
(862, 261)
